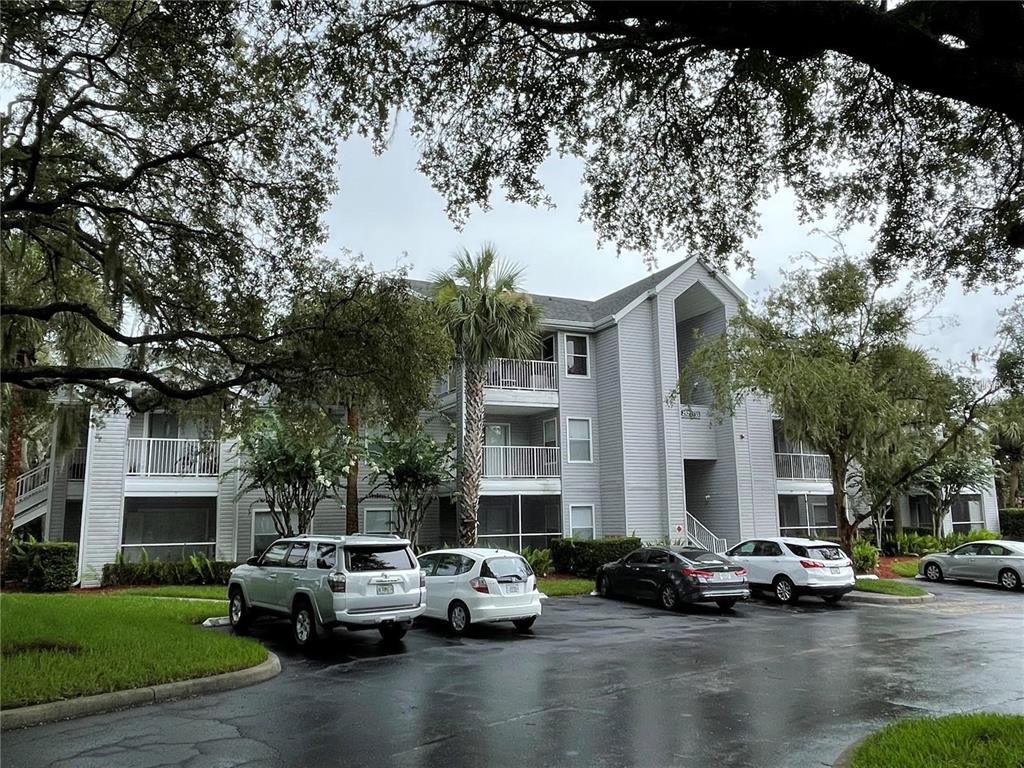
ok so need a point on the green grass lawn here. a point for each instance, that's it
(956, 741)
(889, 587)
(565, 587)
(204, 591)
(905, 568)
(62, 646)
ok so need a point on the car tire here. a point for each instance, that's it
(832, 598)
(1009, 579)
(785, 590)
(604, 587)
(304, 628)
(392, 632)
(458, 618)
(523, 625)
(668, 597)
(726, 604)
(239, 613)
(933, 572)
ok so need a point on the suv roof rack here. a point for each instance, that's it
(378, 535)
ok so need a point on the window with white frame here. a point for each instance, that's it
(966, 513)
(581, 521)
(380, 520)
(579, 440)
(576, 356)
(550, 433)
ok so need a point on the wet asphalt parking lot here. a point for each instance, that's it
(596, 683)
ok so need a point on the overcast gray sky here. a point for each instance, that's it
(388, 212)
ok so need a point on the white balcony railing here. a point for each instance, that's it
(703, 536)
(76, 464)
(171, 457)
(520, 461)
(802, 466)
(32, 480)
(537, 375)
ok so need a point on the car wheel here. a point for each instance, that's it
(785, 592)
(832, 598)
(933, 572)
(458, 618)
(668, 598)
(524, 624)
(238, 611)
(726, 604)
(304, 625)
(1009, 579)
(392, 632)
(604, 588)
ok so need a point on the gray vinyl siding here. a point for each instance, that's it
(104, 495)
(668, 408)
(641, 428)
(990, 506)
(577, 399)
(755, 453)
(227, 506)
(612, 521)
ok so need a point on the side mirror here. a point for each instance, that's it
(254, 560)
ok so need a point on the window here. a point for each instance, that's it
(576, 363)
(514, 522)
(919, 513)
(263, 531)
(967, 549)
(658, 557)
(807, 515)
(297, 555)
(550, 433)
(967, 513)
(427, 563)
(275, 555)
(579, 440)
(379, 558)
(746, 549)
(380, 521)
(767, 549)
(995, 550)
(326, 556)
(581, 521)
(635, 558)
(547, 349)
(163, 424)
(506, 568)
(448, 565)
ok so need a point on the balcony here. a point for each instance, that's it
(803, 466)
(158, 464)
(532, 375)
(521, 469)
(76, 464)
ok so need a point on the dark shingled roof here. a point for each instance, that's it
(558, 308)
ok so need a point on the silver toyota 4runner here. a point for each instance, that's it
(322, 582)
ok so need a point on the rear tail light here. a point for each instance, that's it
(336, 581)
(696, 573)
(741, 572)
(423, 579)
(479, 585)
(811, 564)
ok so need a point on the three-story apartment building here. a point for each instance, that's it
(590, 439)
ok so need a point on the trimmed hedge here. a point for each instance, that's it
(156, 572)
(45, 566)
(1011, 523)
(582, 557)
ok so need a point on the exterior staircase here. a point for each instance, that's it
(700, 535)
(32, 494)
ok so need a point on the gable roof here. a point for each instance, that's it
(560, 310)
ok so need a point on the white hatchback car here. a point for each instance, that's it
(791, 567)
(470, 586)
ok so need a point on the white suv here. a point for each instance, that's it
(322, 582)
(791, 567)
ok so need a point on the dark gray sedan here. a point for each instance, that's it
(998, 561)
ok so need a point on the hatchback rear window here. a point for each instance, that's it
(818, 553)
(505, 567)
(380, 558)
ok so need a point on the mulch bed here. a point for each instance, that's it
(884, 569)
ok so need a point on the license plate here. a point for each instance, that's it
(385, 589)
(834, 570)
(724, 577)
(513, 589)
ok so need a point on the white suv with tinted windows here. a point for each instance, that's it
(322, 582)
(791, 567)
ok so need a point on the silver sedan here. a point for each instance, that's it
(998, 561)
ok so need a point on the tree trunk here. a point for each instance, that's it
(472, 455)
(12, 468)
(847, 531)
(352, 481)
(1013, 485)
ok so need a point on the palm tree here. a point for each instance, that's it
(487, 316)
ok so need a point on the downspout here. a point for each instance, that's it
(86, 483)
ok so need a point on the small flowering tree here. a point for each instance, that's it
(409, 470)
(297, 463)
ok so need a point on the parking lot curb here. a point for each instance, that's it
(36, 714)
(871, 597)
(845, 759)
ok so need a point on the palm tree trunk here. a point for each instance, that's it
(352, 481)
(12, 468)
(472, 455)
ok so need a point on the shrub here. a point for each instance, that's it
(1011, 522)
(956, 539)
(121, 574)
(582, 557)
(539, 560)
(48, 566)
(865, 557)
